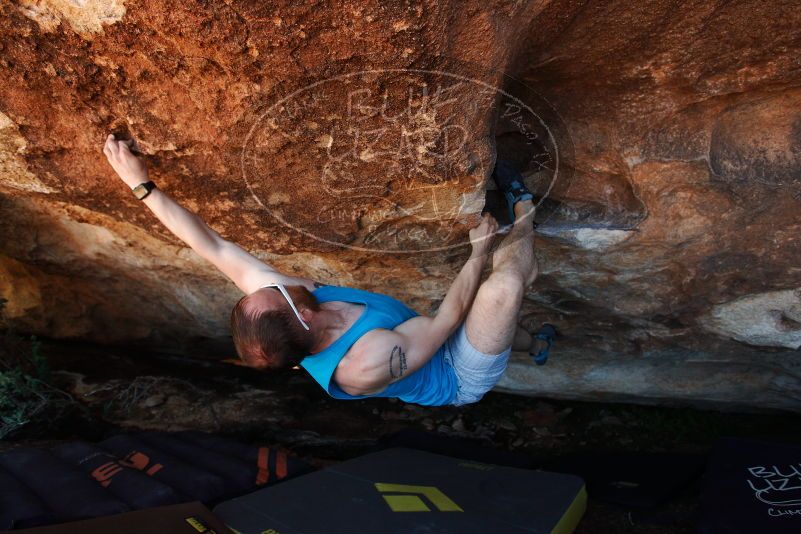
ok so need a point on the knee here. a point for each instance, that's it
(532, 275)
(504, 289)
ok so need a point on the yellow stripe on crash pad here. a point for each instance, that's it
(570, 520)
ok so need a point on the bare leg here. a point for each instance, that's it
(525, 342)
(522, 340)
(492, 320)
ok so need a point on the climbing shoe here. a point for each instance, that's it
(548, 334)
(510, 183)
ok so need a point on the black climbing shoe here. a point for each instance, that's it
(510, 182)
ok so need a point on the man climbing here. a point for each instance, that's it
(358, 344)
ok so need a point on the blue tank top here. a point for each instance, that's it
(434, 384)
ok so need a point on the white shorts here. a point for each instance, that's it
(476, 371)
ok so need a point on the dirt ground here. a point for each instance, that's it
(117, 390)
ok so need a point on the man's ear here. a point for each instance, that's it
(306, 313)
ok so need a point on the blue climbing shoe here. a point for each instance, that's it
(548, 334)
(510, 182)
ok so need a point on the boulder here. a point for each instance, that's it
(352, 142)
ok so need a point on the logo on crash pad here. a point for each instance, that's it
(405, 498)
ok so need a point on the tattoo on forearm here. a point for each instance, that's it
(397, 362)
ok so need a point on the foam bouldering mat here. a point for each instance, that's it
(20, 506)
(67, 491)
(404, 490)
(130, 485)
(79, 480)
(181, 474)
(752, 486)
(187, 518)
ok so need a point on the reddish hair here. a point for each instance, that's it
(268, 338)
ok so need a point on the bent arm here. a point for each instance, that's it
(454, 307)
(386, 356)
(459, 298)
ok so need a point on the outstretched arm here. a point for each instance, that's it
(387, 356)
(246, 271)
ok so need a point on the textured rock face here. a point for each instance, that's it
(351, 142)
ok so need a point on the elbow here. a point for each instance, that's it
(450, 317)
(444, 325)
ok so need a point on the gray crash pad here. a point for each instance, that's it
(404, 491)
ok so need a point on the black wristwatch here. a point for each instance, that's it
(144, 189)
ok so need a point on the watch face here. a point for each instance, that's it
(142, 190)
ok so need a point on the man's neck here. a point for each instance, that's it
(328, 324)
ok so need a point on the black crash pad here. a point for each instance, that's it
(403, 490)
(752, 486)
(79, 480)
